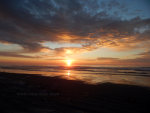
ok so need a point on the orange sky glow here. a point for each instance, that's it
(85, 34)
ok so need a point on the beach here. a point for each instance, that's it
(33, 93)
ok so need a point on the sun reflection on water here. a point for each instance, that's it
(68, 73)
(99, 75)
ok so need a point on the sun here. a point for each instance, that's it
(69, 62)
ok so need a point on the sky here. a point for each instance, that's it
(88, 32)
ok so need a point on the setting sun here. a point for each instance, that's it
(69, 62)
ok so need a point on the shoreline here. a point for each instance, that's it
(40, 94)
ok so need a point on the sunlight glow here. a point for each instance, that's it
(68, 51)
(69, 62)
(68, 72)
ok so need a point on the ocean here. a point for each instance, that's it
(139, 76)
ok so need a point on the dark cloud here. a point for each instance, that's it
(15, 54)
(91, 23)
(107, 58)
(142, 59)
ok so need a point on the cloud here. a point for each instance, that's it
(107, 58)
(29, 23)
(68, 51)
(15, 54)
(142, 59)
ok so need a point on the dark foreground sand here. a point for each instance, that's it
(24, 93)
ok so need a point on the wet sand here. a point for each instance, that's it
(29, 93)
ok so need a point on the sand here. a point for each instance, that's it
(29, 93)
